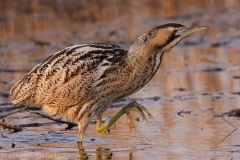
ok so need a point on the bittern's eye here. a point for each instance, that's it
(174, 31)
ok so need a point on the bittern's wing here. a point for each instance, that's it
(70, 76)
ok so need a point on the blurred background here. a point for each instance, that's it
(104, 20)
(200, 73)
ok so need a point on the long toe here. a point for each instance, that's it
(141, 110)
(130, 122)
(146, 111)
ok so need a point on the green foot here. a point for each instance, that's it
(134, 106)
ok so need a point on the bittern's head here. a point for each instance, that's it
(163, 38)
(22, 91)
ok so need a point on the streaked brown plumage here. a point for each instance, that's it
(79, 82)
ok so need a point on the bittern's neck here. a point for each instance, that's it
(141, 51)
(144, 60)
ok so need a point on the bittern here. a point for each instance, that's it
(81, 81)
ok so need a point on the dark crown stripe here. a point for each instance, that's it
(174, 25)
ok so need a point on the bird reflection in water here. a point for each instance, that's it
(82, 155)
(101, 153)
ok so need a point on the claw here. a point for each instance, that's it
(146, 111)
(141, 110)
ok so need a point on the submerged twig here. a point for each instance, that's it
(13, 111)
(183, 112)
(223, 119)
(226, 137)
(235, 128)
(14, 128)
(179, 113)
(70, 124)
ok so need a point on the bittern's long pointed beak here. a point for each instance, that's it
(189, 30)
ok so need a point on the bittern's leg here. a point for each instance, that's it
(80, 134)
(82, 125)
(134, 106)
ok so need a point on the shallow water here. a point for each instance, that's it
(197, 79)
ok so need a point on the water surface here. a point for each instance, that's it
(200, 75)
